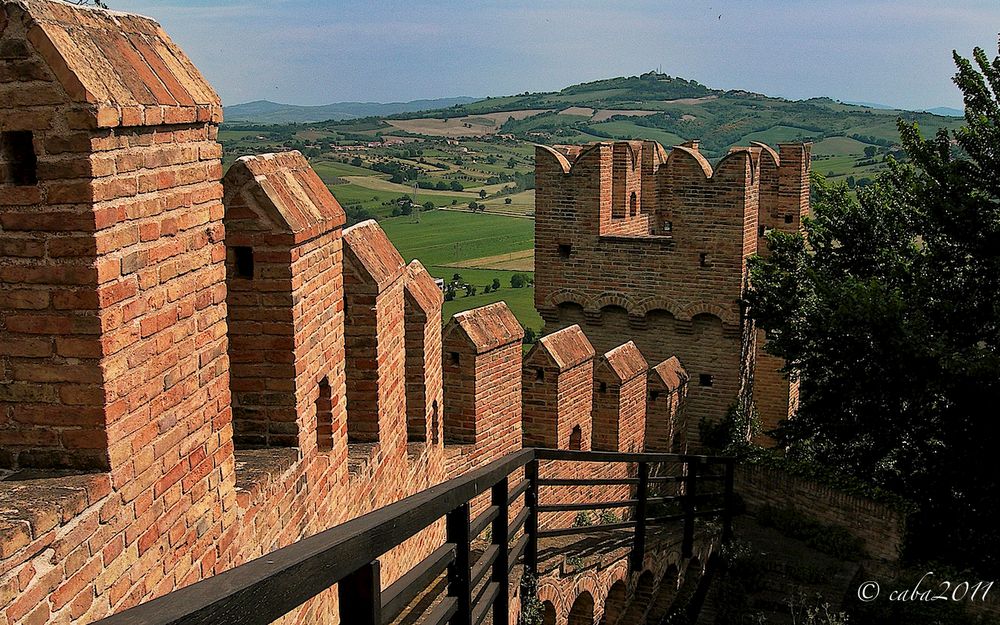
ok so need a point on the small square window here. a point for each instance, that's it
(244, 262)
(18, 163)
(705, 379)
(654, 395)
(761, 230)
(788, 219)
(704, 260)
(603, 387)
(668, 227)
(565, 249)
(453, 358)
(540, 374)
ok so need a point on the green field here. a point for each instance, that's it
(444, 237)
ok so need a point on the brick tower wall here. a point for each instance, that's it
(674, 288)
(784, 184)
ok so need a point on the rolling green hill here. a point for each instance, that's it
(655, 106)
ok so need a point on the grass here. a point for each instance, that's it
(630, 130)
(328, 170)
(839, 146)
(444, 237)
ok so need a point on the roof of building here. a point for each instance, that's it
(625, 361)
(670, 373)
(287, 190)
(124, 65)
(367, 244)
(488, 327)
(568, 347)
(422, 289)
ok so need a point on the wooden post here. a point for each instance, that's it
(531, 523)
(727, 513)
(360, 595)
(639, 541)
(459, 573)
(501, 572)
(687, 546)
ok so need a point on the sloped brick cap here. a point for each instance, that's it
(487, 327)
(287, 190)
(625, 362)
(421, 288)
(370, 251)
(122, 64)
(568, 347)
(669, 373)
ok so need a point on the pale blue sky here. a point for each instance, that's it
(896, 52)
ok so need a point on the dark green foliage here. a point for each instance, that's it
(890, 316)
(518, 280)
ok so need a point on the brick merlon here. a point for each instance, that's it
(487, 328)
(288, 191)
(567, 348)
(421, 289)
(668, 375)
(138, 76)
(371, 253)
(625, 362)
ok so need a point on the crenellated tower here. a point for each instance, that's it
(634, 242)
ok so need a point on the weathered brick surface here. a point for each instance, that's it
(620, 400)
(665, 407)
(286, 308)
(880, 526)
(557, 388)
(670, 276)
(424, 400)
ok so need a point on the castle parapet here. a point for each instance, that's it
(284, 262)
(482, 380)
(558, 385)
(620, 400)
(667, 390)
(424, 394)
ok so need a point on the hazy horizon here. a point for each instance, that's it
(310, 52)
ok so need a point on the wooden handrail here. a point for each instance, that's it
(347, 555)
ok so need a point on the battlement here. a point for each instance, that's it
(634, 241)
(229, 368)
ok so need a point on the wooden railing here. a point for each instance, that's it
(347, 555)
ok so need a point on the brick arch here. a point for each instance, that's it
(610, 298)
(565, 296)
(680, 152)
(548, 613)
(649, 304)
(615, 602)
(582, 610)
(725, 164)
(688, 313)
(559, 159)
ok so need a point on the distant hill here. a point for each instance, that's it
(266, 112)
(653, 106)
(947, 111)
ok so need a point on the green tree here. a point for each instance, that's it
(456, 186)
(888, 311)
(357, 162)
(496, 283)
(518, 280)
(871, 151)
(482, 194)
(507, 200)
